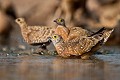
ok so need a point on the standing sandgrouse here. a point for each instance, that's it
(35, 35)
(81, 46)
(69, 33)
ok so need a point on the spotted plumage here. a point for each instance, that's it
(34, 35)
(69, 33)
(80, 46)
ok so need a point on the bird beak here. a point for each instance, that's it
(49, 38)
(54, 21)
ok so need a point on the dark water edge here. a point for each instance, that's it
(47, 67)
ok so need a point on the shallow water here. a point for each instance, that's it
(46, 67)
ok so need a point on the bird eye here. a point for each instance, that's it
(59, 20)
(54, 37)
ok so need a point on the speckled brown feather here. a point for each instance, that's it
(63, 31)
(77, 31)
(34, 34)
(76, 47)
(69, 33)
(81, 45)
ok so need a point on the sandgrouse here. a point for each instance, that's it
(69, 33)
(35, 35)
(82, 46)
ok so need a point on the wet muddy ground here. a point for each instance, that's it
(14, 66)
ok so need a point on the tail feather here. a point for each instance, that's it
(103, 33)
(102, 29)
(107, 34)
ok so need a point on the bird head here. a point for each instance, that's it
(21, 22)
(56, 39)
(60, 21)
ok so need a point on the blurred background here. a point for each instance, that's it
(88, 14)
